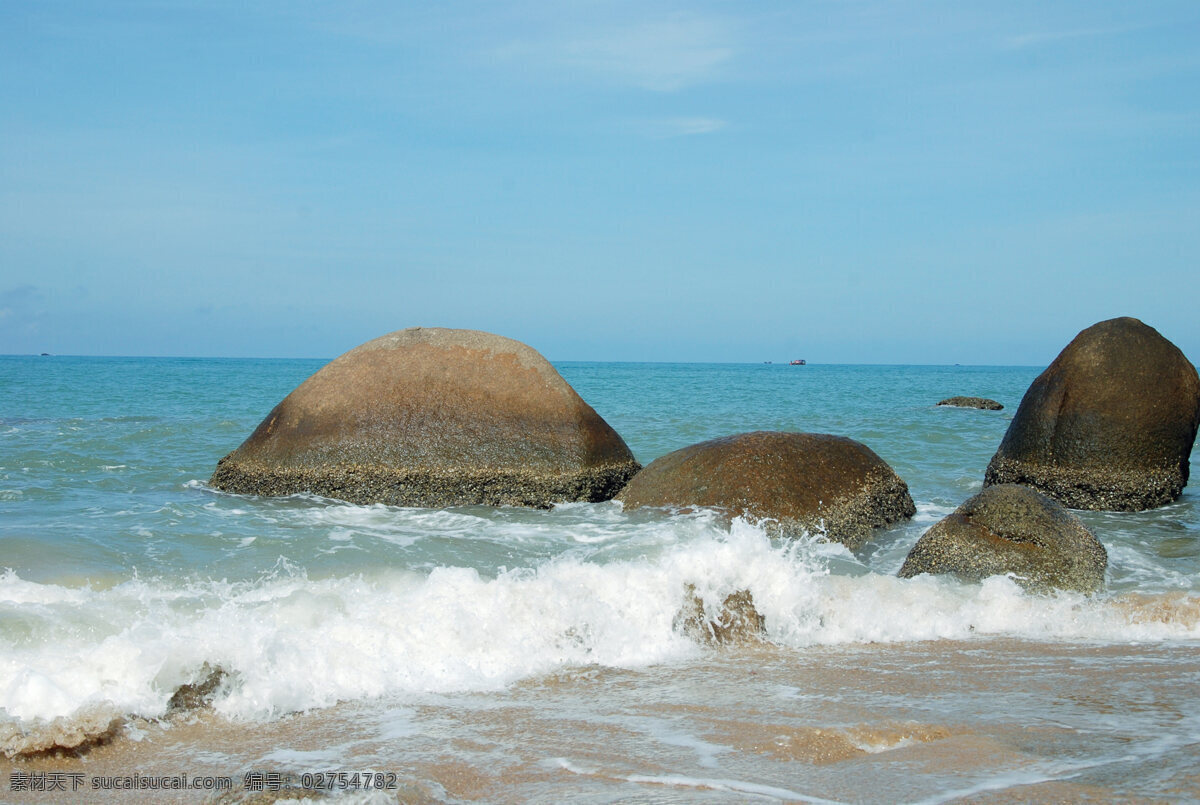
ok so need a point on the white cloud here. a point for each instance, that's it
(661, 56)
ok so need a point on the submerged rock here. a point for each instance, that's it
(1012, 529)
(803, 482)
(1109, 425)
(73, 735)
(197, 695)
(982, 403)
(737, 622)
(433, 417)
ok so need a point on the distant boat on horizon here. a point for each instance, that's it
(798, 362)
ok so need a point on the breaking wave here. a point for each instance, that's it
(286, 642)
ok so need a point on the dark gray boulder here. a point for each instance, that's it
(433, 417)
(982, 403)
(804, 482)
(1012, 529)
(1109, 425)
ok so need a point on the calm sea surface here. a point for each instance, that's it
(517, 655)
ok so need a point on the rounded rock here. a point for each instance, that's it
(1012, 529)
(803, 482)
(1109, 425)
(433, 417)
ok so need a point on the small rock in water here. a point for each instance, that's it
(197, 695)
(71, 735)
(982, 403)
(737, 622)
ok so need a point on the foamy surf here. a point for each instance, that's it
(288, 643)
(743, 788)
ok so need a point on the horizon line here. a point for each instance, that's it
(551, 360)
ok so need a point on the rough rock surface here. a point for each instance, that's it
(737, 621)
(74, 735)
(1109, 425)
(804, 482)
(199, 694)
(982, 403)
(1012, 529)
(433, 417)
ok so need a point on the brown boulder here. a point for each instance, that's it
(804, 482)
(433, 417)
(1012, 529)
(1109, 425)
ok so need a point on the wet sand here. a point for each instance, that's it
(988, 721)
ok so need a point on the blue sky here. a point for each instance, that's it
(864, 182)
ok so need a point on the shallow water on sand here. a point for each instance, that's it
(967, 721)
(515, 655)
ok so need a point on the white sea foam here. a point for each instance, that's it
(15, 590)
(682, 781)
(665, 732)
(742, 787)
(1141, 570)
(930, 513)
(291, 643)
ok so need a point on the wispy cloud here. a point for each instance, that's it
(662, 55)
(668, 127)
(1038, 38)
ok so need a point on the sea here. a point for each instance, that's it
(162, 641)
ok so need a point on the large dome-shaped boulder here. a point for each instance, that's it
(804, 482)
(433, 417)
(1012, 529)
(1109, 425)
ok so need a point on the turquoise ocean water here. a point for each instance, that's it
(123, 576)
